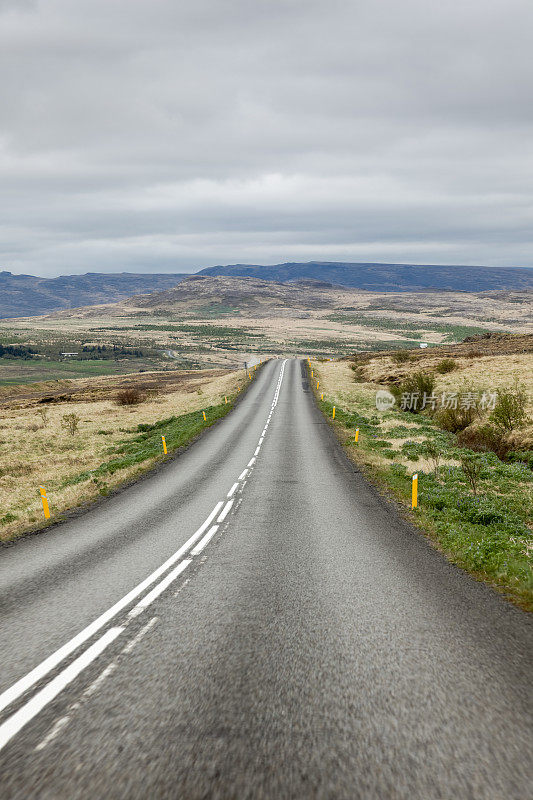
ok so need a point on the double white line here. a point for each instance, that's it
(32, 707)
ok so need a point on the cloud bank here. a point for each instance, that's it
(161, 136)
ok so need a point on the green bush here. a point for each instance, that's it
(70, 422)
(472, 467)
(456, 419)
(446, 365)
(401, 357)
(484, 439)
(521, 457)
(419, 386)
(510, 409)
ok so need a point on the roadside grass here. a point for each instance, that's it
(490, 533)
(146, 445)
(113, 445)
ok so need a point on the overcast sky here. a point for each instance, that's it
(169, 135)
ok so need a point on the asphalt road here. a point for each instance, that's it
(253, 621)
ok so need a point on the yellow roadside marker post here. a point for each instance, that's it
(356, 435)
(312, 373)
(322, 396)
(45, 502)
(317, 385)
(414, 492)
(250, 376)
(333, 415)
(205, 418)
(225, 399)
(164, 445)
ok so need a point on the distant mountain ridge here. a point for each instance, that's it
(387, 277)
(27, 295)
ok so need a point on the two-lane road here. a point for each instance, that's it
(253, 621)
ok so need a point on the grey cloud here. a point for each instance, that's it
(168, 136)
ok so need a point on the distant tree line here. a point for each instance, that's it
(16, 351)
(102, 351)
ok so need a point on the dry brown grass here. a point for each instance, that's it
(486, 373)
(35, 452)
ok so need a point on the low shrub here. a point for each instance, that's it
(70, 422)
(358, 373)
(486, 438)
(456, 419)
(446, 365)
(521, 457)
(433, 453)
(413, 393)
(510, 409)
(130, 397)
(401, 357)
(472, 467)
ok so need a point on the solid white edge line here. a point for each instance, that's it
(205, 540)
(232, 490)
(160, 588)
(30, 709)
(42, 669)
(225, 511)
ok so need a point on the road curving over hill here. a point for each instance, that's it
(254, 621)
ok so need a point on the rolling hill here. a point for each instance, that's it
(27, 295)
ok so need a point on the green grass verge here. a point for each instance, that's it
(486, 534)
(146, 445)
